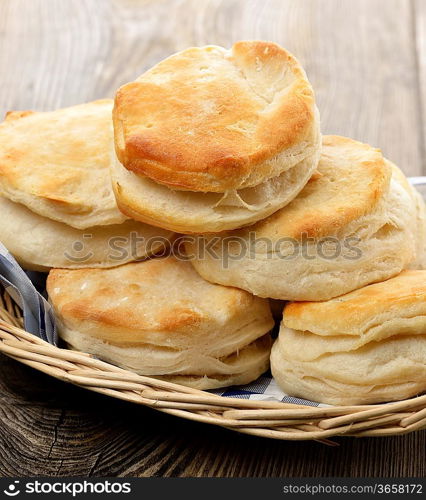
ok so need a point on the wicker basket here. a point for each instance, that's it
(260, 418)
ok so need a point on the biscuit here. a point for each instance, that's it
(57, 164)
(39, 243)
(160, 318)
(420, 262)
(213, 138)
(364, 347)
(353, 224)
(187, 212)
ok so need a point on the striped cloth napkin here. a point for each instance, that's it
(38, 314)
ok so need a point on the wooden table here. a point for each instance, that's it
(367, 62)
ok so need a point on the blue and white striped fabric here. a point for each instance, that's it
(263, 389)
(38, 315)
(39, 320)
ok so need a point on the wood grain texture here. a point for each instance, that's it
(367, 62)
(419, 35)
(54, 429)
(360, 56)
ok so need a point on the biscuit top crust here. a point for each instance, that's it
(57, 163)
(206, 119)
(350, 180)
(357, 312)
(139, 301)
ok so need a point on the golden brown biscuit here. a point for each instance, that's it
(39, 243)
(208, 119)
(364, 347)
(420, 262)
(186, 212)
(159, 318)
(213, 139)
(57, 164)
(353, 224)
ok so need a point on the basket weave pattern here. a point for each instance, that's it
(260, 418)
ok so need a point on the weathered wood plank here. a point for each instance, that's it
(51, 428)
(419, 28)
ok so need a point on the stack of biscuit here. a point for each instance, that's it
(366, 346)
(213, 139)
(56, 200)
(224, 148)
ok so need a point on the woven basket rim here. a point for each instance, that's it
(277, 420)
